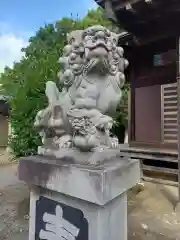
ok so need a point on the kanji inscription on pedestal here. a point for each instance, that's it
(57, 221)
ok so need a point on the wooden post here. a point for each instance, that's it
(109, 11)
(178, 109)
(129, 116)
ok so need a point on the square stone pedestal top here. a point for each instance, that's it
(96, 184)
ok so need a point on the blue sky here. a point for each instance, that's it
(19, 19)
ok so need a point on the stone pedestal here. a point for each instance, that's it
(76, 201)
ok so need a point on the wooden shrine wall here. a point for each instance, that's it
(148, 114)
(153, 93)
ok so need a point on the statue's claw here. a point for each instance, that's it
(114, 143)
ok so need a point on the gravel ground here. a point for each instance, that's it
(5, 156)
(13, 225)
(151, 213)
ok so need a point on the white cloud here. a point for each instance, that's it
(10, 50)
(11, 43)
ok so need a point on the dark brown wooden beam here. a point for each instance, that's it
(131, 126)
(165, 12)
(153, 29)
(119, 5)
(148, 1)
(109, 11)
(123, 5)
(144, 13)
(158, 146)
(129, 7)
(153, 38)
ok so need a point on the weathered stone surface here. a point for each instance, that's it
(91, 198)
(92, 76)
(101, 222)
(97, 184)
(73, 155)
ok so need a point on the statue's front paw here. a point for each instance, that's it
(85, 143)
(64, 142)
(105, 123)
(67, 144)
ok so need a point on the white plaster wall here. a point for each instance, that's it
(126, 137)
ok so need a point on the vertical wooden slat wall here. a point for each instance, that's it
(169, 113)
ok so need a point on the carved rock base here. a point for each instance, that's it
(78, 201)
(73, 155)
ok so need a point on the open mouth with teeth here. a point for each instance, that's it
(96, 50)
(98, 65)
(96, 54)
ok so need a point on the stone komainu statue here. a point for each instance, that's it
(92, 75)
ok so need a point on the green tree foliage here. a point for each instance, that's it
(121, 116)
(25, 82)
